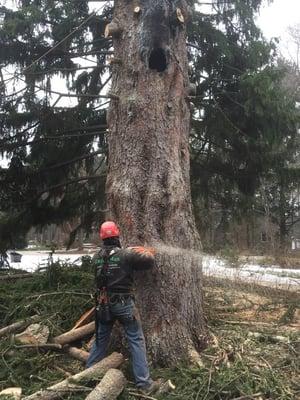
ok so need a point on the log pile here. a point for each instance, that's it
(101, 381)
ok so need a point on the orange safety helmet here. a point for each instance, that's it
(109, 229)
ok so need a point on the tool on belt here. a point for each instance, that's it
(102, 312)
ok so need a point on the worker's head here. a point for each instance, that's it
(109, 230)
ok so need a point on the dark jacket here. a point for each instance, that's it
(115, 266)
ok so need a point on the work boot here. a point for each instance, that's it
(152, 388)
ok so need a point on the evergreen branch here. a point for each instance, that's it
(67, 183)
(45, 138)
(101, 105)
(63, 40)
(50, 91)
(72, 161)
(50, 71)
(189, 44)
(5, 96)
(62, 133)
(292, 223)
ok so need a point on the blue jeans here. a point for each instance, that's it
(124, 313)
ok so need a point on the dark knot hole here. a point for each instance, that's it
(158, 60)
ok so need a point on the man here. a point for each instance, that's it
(115, 301)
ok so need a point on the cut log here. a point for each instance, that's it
(34, 334)
(75, 334)
(112, 384)
(17, 326)
(13, 393)
(76, 353)
(67, 385)
(137, 10)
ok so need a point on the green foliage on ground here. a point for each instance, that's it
(233, 365)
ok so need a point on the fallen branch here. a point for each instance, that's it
(76, 353)
(38, 296)
(141, 396)
(67, 385)
(73, 352)
(46, 346)
(245, 322)
(17, 326)
(270, 338)
(248, 397)
(11, 277)
(112, 384)
(75, 334)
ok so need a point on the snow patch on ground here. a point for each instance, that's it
(32, 260)
(273, 276)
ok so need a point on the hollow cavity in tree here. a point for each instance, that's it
(158, 60)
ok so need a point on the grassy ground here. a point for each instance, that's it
(253, 352)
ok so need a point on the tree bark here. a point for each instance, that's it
(111, 385)
(148, 183)
(76, 353)
(18, 326)
(93, 373)
(75, 334)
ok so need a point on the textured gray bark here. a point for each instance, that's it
(148, 185)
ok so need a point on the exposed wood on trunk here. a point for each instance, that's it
(114, 60)
(112, 384)
(76, 353)
(91, 374)
(11, 277)
(112, 29)
(75, 334)
(180, 16)
(192, 89)
(113, 96)
(18, 326)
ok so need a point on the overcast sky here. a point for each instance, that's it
(276, 17)
(274, 20)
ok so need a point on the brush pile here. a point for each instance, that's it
(253, 353)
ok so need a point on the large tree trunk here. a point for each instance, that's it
(148, 185)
